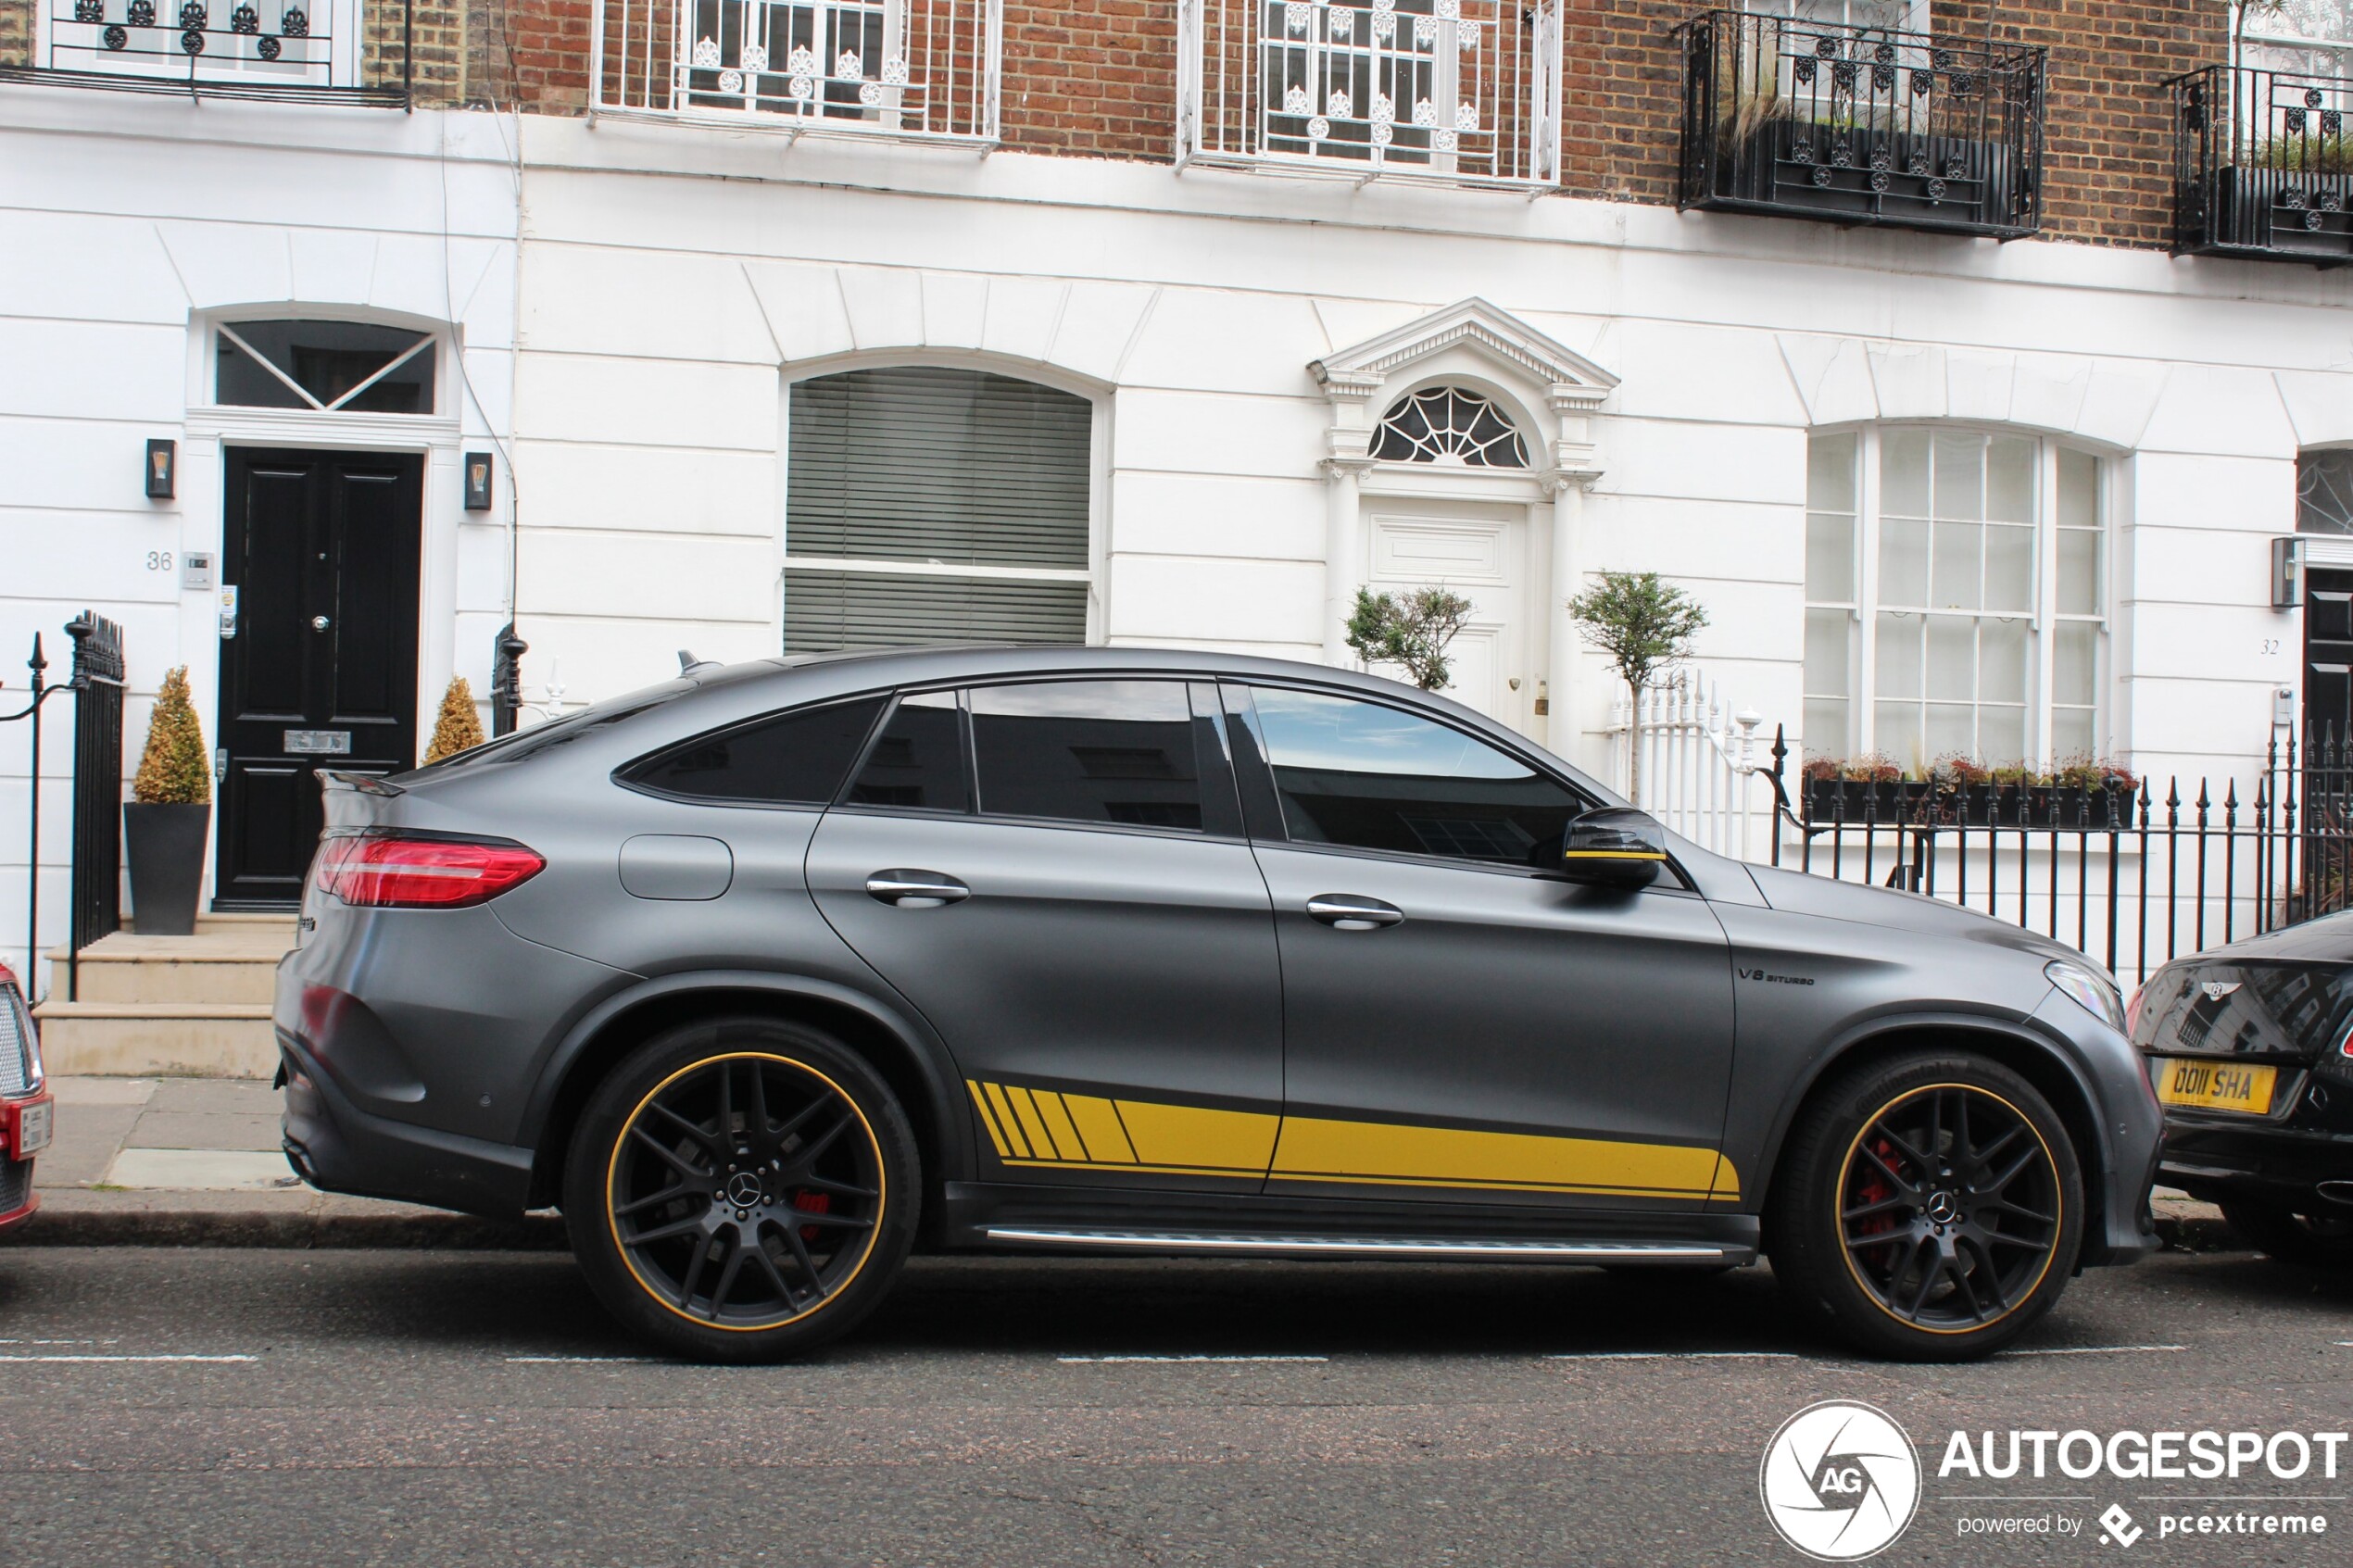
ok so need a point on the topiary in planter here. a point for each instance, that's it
(164, 826)
(458, 728)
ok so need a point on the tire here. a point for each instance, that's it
(1927, 1208)
(2306, 1241)
(759, 1246)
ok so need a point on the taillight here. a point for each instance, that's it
(422, 874)
(2345, 1041)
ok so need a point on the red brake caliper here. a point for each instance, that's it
(812, 1203)
(1875, 1190)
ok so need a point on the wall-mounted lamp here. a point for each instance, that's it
(477, 482)
(162, 464)
(2287, 573)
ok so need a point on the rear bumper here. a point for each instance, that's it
(338, 1147)
(2272, 1163)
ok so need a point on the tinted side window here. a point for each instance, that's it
(1088, 751)
(918, 760)
(1370, 777)
(797, 759)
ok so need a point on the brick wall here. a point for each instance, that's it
(1098, 78)
(2108, 126)
(1094, 78)
(16, 32)
(436, 32)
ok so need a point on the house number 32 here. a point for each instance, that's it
(2270, 645)
(159, 561)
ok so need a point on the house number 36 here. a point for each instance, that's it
(159, 561)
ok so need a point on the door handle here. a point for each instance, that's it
(1346, 912)
(916, 889)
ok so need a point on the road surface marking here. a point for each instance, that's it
(600, 1360)
(207, 1360)
(1105, 1358)
(1673, 1355)
(2093, 1350)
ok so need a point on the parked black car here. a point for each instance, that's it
(774, 972)
(2250, 1047)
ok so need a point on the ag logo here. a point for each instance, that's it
(1840, 1481)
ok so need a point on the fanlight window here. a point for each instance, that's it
(2324, 492)
(325, 366)
(1446, 424)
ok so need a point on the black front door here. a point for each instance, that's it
(2328, 656)
(322, 549)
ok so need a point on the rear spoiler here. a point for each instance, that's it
(366, 783)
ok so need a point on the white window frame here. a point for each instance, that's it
(2256, 32)
(1862, 615)
(1099, 474)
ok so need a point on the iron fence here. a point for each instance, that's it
(2261, 167)
(1810, 119)
(95, 893)
(301, 51)
(2132, 874)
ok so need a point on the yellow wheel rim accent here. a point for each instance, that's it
(612, 1174)
(1846, 1167)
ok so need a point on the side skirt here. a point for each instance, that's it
(1003, 1217)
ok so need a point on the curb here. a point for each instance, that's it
(406, 1230)
(2198, 1233)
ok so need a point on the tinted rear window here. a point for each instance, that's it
(1088, 751)
(917, 763)
(796, 759)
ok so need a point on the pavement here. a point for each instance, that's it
(281, 1409)
(196, 1161)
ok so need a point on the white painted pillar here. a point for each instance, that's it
(1343, 554)
(1560, 679)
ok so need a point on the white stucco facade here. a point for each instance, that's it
(629, 303)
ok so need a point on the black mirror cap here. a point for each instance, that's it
(1614, 846)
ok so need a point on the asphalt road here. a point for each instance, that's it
(448, 1407)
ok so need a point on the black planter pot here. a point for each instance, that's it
(165, 845)
(1863, 174)
(2308, 216)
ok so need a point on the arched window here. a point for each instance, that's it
(925, 504)
(1956, 597)
(1448, 424)
(2324, 492)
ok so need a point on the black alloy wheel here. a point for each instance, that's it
(742, 1189)
(1949, 1208)
(1927, 1207)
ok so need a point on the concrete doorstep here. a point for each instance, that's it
(196, 1162)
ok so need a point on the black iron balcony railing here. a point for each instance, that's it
(2263, 166)
(1860, 125)
(300, 51)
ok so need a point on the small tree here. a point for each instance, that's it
(458, 728)
(175, 769)
(1643, 624)
(1410, 629)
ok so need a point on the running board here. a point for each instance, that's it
(1374, 1246)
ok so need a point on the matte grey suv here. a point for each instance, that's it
(772, 973)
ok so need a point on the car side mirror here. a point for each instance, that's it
(1614, 846)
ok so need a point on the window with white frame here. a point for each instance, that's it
(2300, 37)
(1956, 597)
(932, 503)
(1449, 425)
(328, 366)
(1902, 16)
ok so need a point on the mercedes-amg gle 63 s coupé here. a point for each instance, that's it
(773, 972)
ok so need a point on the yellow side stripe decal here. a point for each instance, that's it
(1047, 1128)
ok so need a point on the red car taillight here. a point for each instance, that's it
(422, 874)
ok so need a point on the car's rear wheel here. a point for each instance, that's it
(2308, 1240)
(742, 1189)
(1927, 1207)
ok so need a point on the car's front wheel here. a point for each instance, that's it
(2309, 1241)
(742, 1189)
(1927, 1207)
